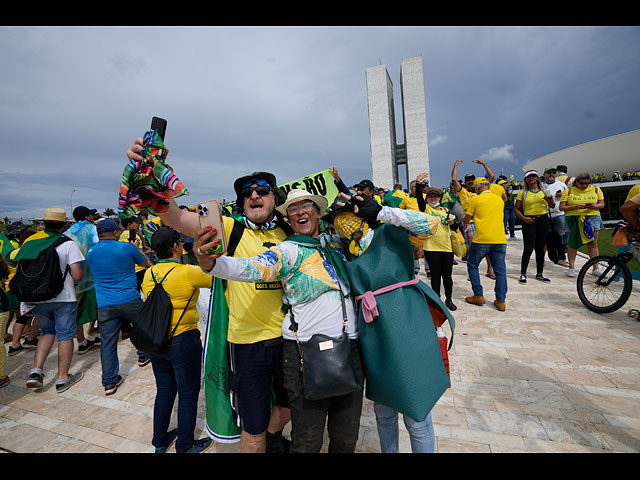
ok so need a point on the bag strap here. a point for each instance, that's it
(234, 238)
(153, 277)
(182, 314)
(294, 325)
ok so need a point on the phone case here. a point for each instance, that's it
(159, 125)
(210, 213)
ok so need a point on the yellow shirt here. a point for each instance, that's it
(465, 195)
(635, 199)
(574, 196)
(124, 237)
(534, 203)
(563, 179)
(441, 240)
(254, 308)
(411, 203)
(487, 210)
(635, 190)
(180, 284)
(497, 189)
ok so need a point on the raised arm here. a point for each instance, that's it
(454, 177)
(490, 174)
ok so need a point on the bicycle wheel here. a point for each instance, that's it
(608, 291)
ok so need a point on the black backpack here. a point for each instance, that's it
(150, 332)
(40, 279)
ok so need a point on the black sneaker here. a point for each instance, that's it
(30, 343)
(276, 443)
(173, 435)
(112, 388)
(201, 446)
(143, 361)
(523, 279)
(82, 349)
(73, 379)
(13, 351)
(542, 278)
(35, 380)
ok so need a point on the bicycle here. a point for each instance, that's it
(609, 288)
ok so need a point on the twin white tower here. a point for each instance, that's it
(386, 153)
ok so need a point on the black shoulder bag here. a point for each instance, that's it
(326, 363)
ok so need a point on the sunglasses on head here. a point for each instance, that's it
(260, 190)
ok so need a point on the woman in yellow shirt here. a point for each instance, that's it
(177, 370)
(437, 249)
(581, 203)
(532, 207)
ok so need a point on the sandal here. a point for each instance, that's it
(491, 276)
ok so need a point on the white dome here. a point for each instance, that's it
(605, 156)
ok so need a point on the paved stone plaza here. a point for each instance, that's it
(546, 375)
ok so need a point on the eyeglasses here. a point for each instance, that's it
(584, 183)
(305, 207)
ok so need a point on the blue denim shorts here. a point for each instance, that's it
(559, 224)
(57, 318)
(596, 222)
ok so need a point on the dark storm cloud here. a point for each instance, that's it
(292, 101)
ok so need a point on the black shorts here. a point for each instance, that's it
(256, 383)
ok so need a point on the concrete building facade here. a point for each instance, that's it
(386, 153)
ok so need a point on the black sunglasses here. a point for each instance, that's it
(260, 190)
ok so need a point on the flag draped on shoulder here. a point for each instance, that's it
(219, 421)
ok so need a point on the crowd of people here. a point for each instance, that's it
(300, 271)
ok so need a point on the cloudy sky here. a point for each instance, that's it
(292, 100)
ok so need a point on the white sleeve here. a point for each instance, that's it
(73, 253)
(415, 222)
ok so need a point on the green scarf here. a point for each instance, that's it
(36, 243)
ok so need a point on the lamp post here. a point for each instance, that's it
(71, 212)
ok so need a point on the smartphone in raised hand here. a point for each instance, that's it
(210, 214)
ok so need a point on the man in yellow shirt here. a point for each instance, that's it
(486, 210)
(635, 190)
(631, 208)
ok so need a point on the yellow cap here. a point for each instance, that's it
(480, 180)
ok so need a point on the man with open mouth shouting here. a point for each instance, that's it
(254, 323)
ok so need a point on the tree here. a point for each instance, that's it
(109, 212)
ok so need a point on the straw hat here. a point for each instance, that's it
(297, 195)
(54, 215)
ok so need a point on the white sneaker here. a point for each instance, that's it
(597, 272)
(571, 272)
(562, 263)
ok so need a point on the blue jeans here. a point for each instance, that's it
(421, 434)
(510, 220)
(110, 320)
(497, 253)
(177, 371)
